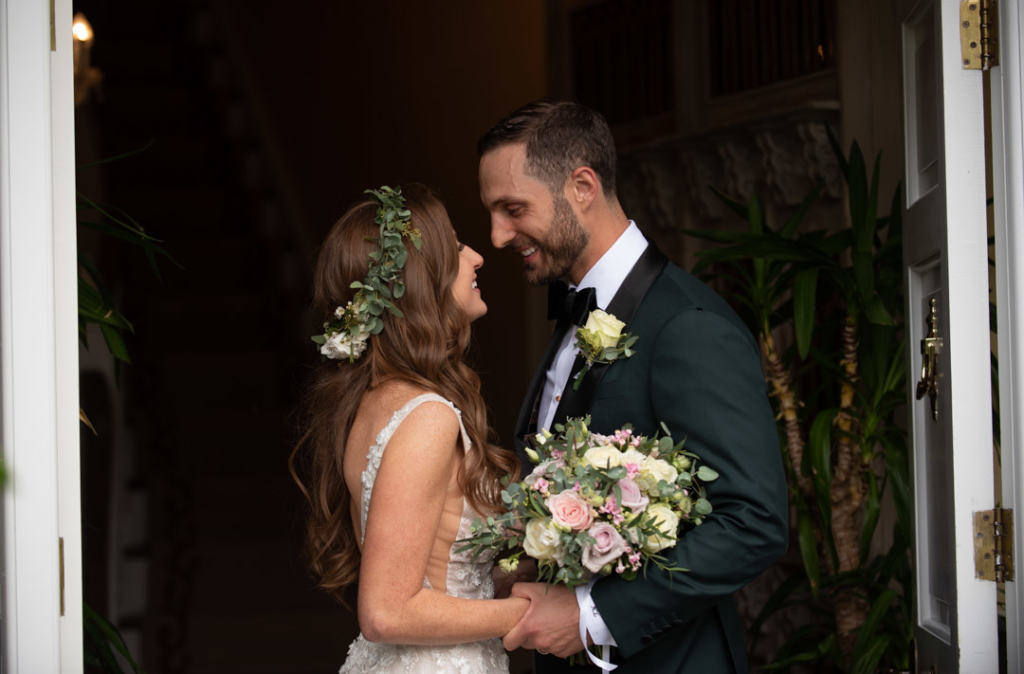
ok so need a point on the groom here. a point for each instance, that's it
(547, 178)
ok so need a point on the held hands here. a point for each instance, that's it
(551, 624)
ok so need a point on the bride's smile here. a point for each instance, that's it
(465, 289)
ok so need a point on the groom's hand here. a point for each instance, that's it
(551, 624)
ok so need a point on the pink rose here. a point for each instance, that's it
(632, 497)
(608, 546)
(570, 511)
(541, 469)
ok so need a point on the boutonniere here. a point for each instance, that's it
(602, 340)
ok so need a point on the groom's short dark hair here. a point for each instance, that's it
(560, 136)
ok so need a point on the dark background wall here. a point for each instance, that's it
(363, 94)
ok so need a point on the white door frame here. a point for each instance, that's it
(1007, 123)
(38, 342)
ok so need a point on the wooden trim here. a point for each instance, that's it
(810, 92)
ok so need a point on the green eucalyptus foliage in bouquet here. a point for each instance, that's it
(596, 505)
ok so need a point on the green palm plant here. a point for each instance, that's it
(103, 643)
(95, 301)
(104, 647)
(837, 393)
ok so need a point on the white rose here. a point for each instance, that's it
(603, 329)
(658, 469)
(667, 523)
(631, 455)
(542, 541)
(340, 346)
(603, 457)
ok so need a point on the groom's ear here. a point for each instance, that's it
(583, 188)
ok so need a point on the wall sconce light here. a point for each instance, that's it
(87, 78)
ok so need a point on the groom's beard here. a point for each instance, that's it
(563, 245)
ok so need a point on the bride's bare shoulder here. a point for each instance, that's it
(377, 407)
(381, 402)
(388, 398)
(430, 431)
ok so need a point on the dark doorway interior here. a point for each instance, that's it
(213, 578)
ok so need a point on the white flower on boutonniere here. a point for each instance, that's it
(602, 340)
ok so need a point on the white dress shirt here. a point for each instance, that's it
(605, 277)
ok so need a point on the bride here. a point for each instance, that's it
(394, 451)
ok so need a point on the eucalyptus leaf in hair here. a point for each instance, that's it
(345, 334)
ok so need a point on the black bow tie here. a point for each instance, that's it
(570, 305)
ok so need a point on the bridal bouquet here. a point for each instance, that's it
(596, 504)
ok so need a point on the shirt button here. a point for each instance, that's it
(558, 399)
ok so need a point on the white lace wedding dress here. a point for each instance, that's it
(465, 578)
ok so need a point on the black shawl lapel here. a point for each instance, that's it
(623, 306)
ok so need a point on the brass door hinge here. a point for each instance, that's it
(993, 544)
(979, 34)
(61, 563)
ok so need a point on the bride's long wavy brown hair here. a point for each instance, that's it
(426, 348)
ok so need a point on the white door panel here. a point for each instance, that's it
(946, 257)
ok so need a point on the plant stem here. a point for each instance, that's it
(850, 608)
(782, 390)
(844, 443)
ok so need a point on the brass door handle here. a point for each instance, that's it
(929, 383)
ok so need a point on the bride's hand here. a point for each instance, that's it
(526, 572)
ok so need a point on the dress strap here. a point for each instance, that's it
(408, 407)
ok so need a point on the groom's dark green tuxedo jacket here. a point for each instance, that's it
(697, 369)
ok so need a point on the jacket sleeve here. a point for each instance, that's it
(706, 385)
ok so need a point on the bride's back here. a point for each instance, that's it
(376, 409)
(374, 412)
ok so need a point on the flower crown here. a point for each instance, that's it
(346, 333)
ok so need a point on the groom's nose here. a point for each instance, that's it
(502, 233)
